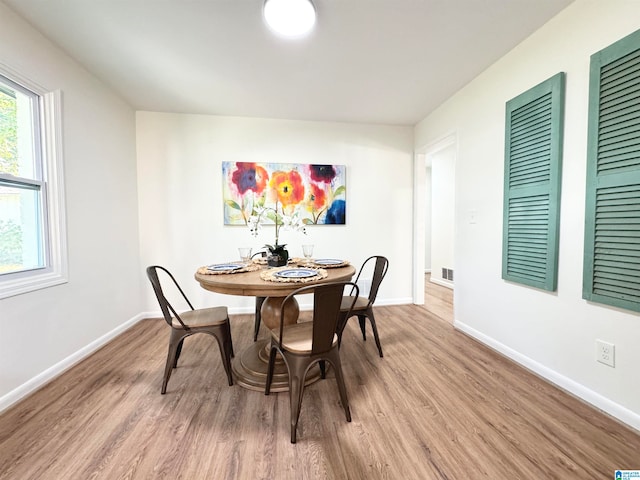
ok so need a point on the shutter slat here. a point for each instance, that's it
(530, 126)
(619, 106)
(530, 108)
(628, 115)
(618, 208)
(619, 64)
(619, 135)
(629, 262)
(620, 147)
(614, 129)
(611, 101)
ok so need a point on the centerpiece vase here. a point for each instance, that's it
(279, 256)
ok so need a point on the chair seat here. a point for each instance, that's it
(298, 338)
(361, 303)
(203, 317)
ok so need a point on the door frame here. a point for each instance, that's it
(421, 161)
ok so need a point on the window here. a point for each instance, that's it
(32, 234)
(532, 176)
(611, 272)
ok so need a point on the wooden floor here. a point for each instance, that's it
(437, 406)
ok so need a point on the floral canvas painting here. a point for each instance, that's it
(311, 194)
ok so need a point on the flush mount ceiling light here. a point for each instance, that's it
(290, 18)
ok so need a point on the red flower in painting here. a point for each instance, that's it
(288, 187)
(249, 176)
(322, 173)
(317, 197)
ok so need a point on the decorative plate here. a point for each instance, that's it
(225, 267)
(328, 261)
(296, 273)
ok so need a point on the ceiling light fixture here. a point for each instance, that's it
(290, 18)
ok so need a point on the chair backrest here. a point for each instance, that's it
(327, 299)
(379, 271)
(167, 309)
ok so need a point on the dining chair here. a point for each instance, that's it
(363, 306)
(304, 344)
(213, 321)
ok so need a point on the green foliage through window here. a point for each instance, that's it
(10, 244)
(8, 134)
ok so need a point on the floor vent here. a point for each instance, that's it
(447, 274)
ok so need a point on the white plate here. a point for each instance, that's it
(328, 261)
(225, 267)
(296, 273)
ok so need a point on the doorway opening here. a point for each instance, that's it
(434, 216)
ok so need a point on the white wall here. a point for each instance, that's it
(180, 194)
(443, 189)
(43, 332)
(552, 333)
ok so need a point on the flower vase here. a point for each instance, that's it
(279, 256)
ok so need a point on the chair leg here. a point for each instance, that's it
(296, 390)
(175, 340)
(361, 320)
(258, 316)
(337, 366)
(323, 369)
(178, 352)
(372, 319)
(272, 361)
(224, 342)
(230, 338)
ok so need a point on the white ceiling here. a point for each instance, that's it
(368, 61)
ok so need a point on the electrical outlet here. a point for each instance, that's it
(606, 353)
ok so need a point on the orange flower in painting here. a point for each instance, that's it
(317, 198)
(288, 187)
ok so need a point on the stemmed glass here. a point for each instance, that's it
(308, 252)
(245, 254)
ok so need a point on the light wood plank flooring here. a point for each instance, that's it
(437, 406)
(438, 299)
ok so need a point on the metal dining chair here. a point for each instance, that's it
(213, 321)
(304, 344)
(363, 306)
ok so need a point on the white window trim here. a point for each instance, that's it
(56, 271)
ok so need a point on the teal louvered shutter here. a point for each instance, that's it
(532, 175)
(611, 272)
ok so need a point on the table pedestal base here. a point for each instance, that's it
(251, 366)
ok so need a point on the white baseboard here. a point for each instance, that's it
(441, 282)
(617, 411)
(381, 302)
(54, 371)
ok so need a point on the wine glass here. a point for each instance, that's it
(308, 251)
(245, 254)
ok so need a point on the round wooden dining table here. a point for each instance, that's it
(250, 366)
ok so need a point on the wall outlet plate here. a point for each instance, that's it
(606, 353)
